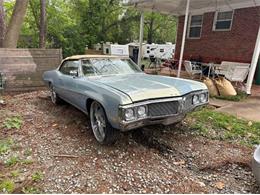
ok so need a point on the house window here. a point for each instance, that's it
(195, 26)
(161, 50)
(223, 21)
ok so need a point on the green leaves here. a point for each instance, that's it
(5, 146)
(37, 176)
(73, 24)
(7, 186)
(12, 161)
(13, 122)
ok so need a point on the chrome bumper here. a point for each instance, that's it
(185, 106)
(146, 122)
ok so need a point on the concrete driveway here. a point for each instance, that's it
(248, 109)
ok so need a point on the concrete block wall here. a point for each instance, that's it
(23, 68)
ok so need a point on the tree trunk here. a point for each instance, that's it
(150, 30)
(43, 25)
(2, 23)
(14, 27)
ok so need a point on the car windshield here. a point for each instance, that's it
(102, 67)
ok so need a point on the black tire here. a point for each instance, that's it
(104, 133)
(54, 96)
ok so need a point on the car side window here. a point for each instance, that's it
(70, 68)
(87, 68)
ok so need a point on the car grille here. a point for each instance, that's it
(188, 102)
(163, 108)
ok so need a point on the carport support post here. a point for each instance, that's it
(253, 65)
(184, 37)
(141, 37)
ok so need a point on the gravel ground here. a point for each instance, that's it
(153, 160)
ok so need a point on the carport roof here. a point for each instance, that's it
(79, 57)
(177, 7)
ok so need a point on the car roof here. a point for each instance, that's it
(79, 57)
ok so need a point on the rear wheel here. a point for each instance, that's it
(54, 96)
(102, 130)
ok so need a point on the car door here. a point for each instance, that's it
(69, 74)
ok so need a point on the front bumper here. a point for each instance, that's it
(146, 122)
(184, 106)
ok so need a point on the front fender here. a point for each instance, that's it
(108, 97)
(48, 77)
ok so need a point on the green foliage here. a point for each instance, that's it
(239, 97)
(7, 186)
(12, 161)
(160, 28)
(13, 122)
(15, 173)
(27, 162)
(210, 123)
(74, 24)
(5, 146)
(37, 176)
(28, 152)
(31, 190)
(8, 5)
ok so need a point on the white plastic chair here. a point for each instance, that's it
(192, 69)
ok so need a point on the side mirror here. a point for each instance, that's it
(74, 73)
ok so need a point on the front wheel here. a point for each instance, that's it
(54, 96)
(102, 130)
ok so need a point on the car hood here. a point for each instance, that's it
(141, 86)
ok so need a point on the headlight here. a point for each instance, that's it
(195, 99)
(200, 98)
(141, 111)
(203, 98)
(129, 114)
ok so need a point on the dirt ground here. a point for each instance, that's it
(155, 160)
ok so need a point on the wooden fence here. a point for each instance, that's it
(23, 68)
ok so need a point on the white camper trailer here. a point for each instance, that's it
(161, 51)
(119, 50)
(115, 49)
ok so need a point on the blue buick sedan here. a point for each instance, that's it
(118, 96)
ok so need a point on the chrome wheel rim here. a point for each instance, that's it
(53, 95)
(98, 122)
